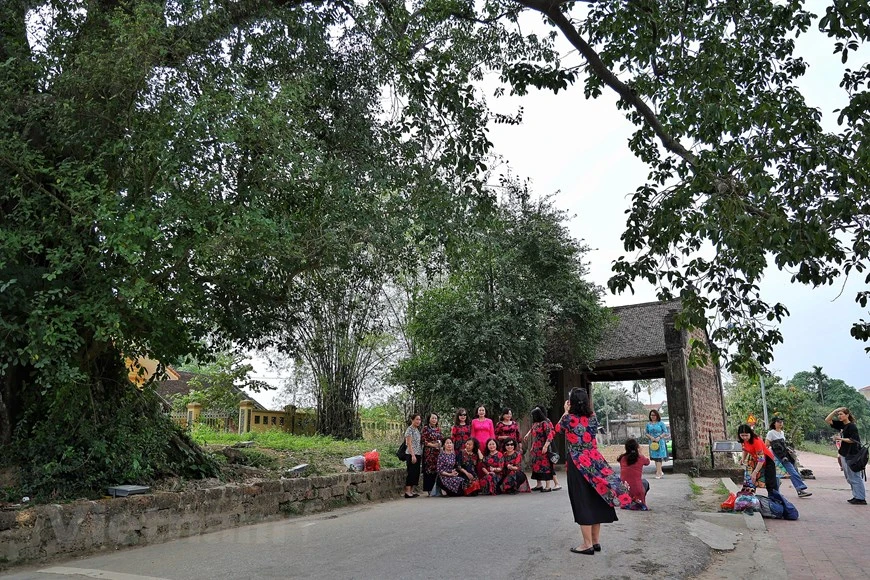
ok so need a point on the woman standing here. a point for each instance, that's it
(658, 446)
(449, 479)
(631, 464)
(849, 441)
(542, 433)
(506, 429)
(593, 488)
(461, 431)
(415, 451)
(514, 480)
(760, 456)
(431, 438)
(492, 467)
(482, 428)
(775, 439)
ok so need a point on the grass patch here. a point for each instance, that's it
(722, 490)
(277, 450)
(696, 489)
(820, 448)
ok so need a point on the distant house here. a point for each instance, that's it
(657, 407)
(177, 383)
(866, 392)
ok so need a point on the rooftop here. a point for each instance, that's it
(638, 333)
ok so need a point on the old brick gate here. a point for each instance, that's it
(645, 344)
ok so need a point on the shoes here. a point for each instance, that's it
(546, 490)
(587, 551)
(596, 547)
(804, 493)
(659, 476)
(415, 494)
(854, 501)
(557, 488)
(538, 488)
(409, 495)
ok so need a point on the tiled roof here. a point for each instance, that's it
(638, 333)
(170, 388)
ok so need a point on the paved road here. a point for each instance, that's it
(523, 536)
(829, 541)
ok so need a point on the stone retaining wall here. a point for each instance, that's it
(81, 527)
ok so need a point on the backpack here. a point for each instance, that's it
(789, 512)
(782, 451)
(858, 460)
(769, 509)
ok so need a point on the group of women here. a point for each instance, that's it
(594, 488)
(478, 456)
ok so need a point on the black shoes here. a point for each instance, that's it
(587, 551)
(854, 501)
(596, 547)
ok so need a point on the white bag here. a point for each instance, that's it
(355, 463)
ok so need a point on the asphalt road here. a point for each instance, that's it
(523, 536)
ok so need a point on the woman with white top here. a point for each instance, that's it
(775, 439)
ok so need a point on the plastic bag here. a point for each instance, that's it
(372, 460)
(746, 503)
(728, 504)
(355, 463)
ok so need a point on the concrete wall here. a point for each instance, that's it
(82, 527)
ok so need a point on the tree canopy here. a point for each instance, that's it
(513, 307)
(172, 172)
(796, 401)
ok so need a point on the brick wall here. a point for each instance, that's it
(47, 531)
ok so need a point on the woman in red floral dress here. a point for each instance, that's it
(506, 429)
(431, 438)
(467, 462)
(593, 487)
(514, 480)
(461, 431)
(542, 436)
(492, 467)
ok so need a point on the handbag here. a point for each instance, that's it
(554, 457)
(654, 446)
(402, 452)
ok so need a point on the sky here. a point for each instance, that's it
(578, 150)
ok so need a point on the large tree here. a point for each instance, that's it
(513, 306)
(169, 172)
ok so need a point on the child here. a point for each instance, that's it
(631, 464)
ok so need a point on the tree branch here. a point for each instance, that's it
(225, 16)
(610, 79)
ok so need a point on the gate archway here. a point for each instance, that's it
(645, 344)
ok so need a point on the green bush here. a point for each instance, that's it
(69, 452)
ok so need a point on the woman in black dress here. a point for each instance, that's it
(593, 487)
